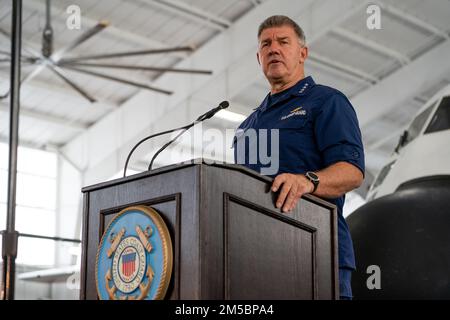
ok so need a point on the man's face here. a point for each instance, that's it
(281, 55)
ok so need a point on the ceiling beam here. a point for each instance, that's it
(255, 3)
(353, 37)
(64, 122)
(344, 69)
(402, 85)
(6, 14)
(197, 12)
(405, 16)
(30, 144)
(193, 14)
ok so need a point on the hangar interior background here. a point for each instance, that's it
(67, 141)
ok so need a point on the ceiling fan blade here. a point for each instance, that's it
(24, 59)
(82, 38)
(120, 80)
(126, 54)
(7, 67)
(5, 33)
(28, 77)
(5, 95)
(60, 73)
(140, 68)
(29, 48)
(32, 74)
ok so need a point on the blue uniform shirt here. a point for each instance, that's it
(317, 128)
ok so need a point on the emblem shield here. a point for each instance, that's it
(135, 256)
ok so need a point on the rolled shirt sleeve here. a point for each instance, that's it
(337, 132)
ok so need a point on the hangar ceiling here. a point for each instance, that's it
(388, 74)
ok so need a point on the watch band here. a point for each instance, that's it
(311, 176)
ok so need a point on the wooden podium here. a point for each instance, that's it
(229, 239)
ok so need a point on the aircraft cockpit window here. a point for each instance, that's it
(382, 175)
(441, 119)
(416, 126)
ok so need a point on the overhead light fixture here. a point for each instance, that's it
(230, 116)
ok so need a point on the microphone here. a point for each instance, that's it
(210, 113)
(203, 117)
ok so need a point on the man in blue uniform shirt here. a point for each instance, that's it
(319, 147)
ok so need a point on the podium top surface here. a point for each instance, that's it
(192, 163)
(177, 166)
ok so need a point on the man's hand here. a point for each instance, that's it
(335, 180)
(294, 186)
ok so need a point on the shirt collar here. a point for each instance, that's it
(300, 88)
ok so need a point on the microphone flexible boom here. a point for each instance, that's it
(205, 116)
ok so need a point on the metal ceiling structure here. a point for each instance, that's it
(58, 62)
(386, 73)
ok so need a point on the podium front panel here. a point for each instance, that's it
(229, 240)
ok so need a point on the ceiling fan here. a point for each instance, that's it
(58, 63)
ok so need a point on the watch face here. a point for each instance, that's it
(313, 176)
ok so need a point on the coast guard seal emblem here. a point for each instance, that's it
(134, 258)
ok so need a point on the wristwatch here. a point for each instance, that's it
(311, 176)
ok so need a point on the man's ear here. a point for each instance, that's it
(303, 54)
(257, 58)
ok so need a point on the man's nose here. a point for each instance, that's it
(274, 48)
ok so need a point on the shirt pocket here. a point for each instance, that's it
(296, 134)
